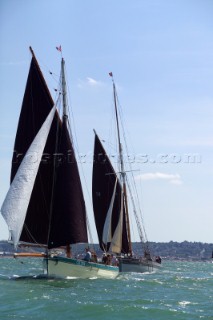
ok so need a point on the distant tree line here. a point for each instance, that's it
(167, 250)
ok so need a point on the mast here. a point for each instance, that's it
(123, 174)
(65, 120)
(64, 91)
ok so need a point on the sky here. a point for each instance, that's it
(161, 56)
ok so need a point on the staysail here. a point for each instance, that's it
(103, 184)
(107, 231)
(116, 242)
(15, 205)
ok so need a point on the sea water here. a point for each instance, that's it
(181, 290)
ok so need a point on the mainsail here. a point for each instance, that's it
(103, 184)
(68, 221)
(36, 105)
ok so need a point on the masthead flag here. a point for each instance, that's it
(58, 48)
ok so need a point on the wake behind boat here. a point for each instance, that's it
(111, 195)
(45, 206)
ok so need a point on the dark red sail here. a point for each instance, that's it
(36, 105)
(68, 219)
(103, 183)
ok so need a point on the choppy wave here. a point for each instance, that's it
(181, 290)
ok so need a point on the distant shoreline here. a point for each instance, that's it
(181, 251)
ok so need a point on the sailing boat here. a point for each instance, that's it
(45, 206)
(110, 203)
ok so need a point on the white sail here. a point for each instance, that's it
(15, 205)
(116, 242)
(107, 233)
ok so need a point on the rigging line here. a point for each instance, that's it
(137, 198)
(45, 69)
(113, 136)
(112, 133)
(110, 146)
(142, 238)
(138, 204)
(123, 124)
(31, 236)
(143, 225)
(124, 132)
(53, 74)
(54, 78)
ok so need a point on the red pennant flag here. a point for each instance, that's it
(110, 73)
(58, 48)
